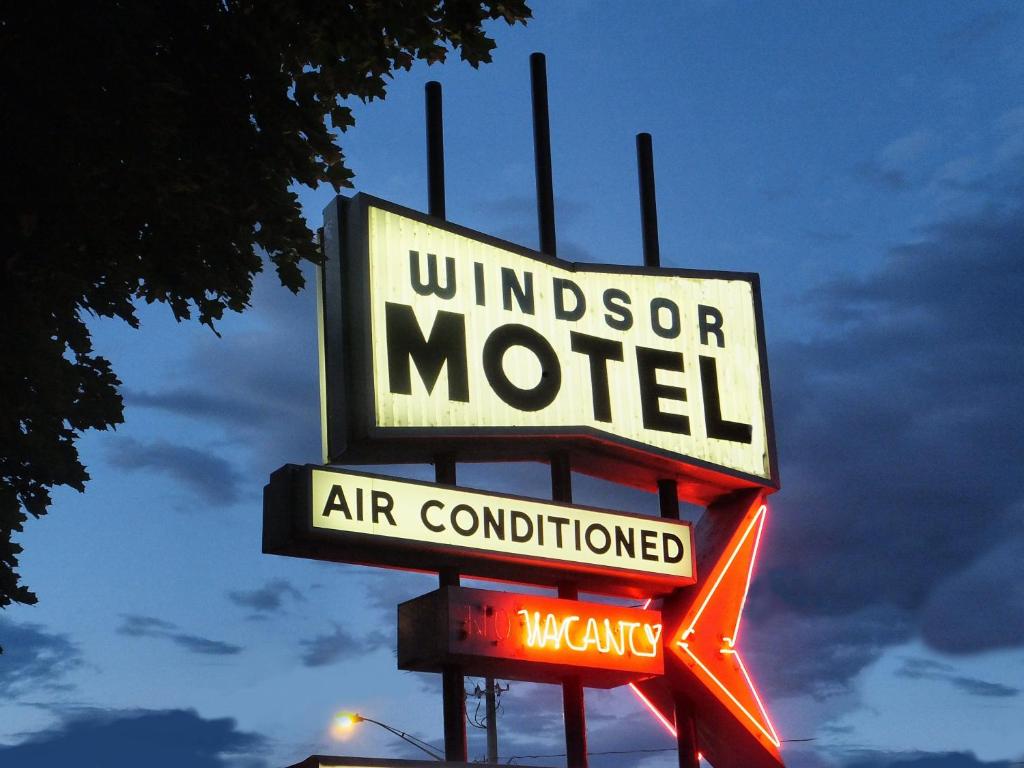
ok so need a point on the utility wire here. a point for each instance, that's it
(637, 752)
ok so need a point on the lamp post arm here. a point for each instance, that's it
(420, 745)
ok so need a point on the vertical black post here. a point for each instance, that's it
(435, 151)
(491, 703)
(561, 475)
(668, 488)
(452, 683)
(686, 735)
(648, 203)
(542, 154)
(573, 705)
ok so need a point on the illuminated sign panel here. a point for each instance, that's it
(529, 637)
(355, 517)
(430, 329)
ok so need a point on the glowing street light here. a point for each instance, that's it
(345, 721)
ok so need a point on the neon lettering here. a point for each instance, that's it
(616, 637)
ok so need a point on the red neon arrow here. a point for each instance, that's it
(706, 642)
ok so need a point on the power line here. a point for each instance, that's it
(638, 752)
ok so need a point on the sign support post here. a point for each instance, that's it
(573, 706)
(668, 489)
(452, 681)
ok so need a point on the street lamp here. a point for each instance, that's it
(343, 721)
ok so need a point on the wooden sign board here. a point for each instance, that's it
(529, 637)
(433, 335)
(353, 517)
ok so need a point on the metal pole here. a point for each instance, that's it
(491, 703)
(542, 154)
(435, 151)
(686, 735)
(648, 202)
(561, 474)
(452, 683)
(573, 704)
(668, 488)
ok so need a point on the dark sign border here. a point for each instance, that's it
(348, 394)
(288, 530)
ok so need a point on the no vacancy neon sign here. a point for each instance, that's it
(530, 637)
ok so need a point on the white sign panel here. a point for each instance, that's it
(452, 517)
(354, 517)
(469, 333)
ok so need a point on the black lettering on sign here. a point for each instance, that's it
(673, 553)
(428, 505)
(671, 330)
(598, 549)
(558, 288)
(494, 523)
(525, 532)
(382, 506)
(559, 523)
(599, 351)
(710, 322)
(523, 292)
(718, 427)
(616, 302)
(649, 362)
(503, 338)
(478, 280)
(625, 541)
(473, 520)
(336, 502)
(446, 345)
(432, 285)
(649, 545)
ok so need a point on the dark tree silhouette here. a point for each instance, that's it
(147, 151)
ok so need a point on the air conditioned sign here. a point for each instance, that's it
(346, 516)
(433, 330)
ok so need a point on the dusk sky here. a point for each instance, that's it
(867, 159)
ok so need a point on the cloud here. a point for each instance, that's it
(211, 477)
(339, 645)
(269, 598)
(149, 626)
(123, 739)
(819, 654)
(199, 404)
(891, 167)
(34, 659)
(922, 760)
(928, 669)
(878, 175)
(620, 732)
(899, 427)
(259, 384)
(981, 604)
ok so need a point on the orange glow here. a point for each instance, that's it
(710, 630)
(342, 724)
(708, 643)
(627, 643)
(620, 638)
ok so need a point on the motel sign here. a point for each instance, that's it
(440, 344)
